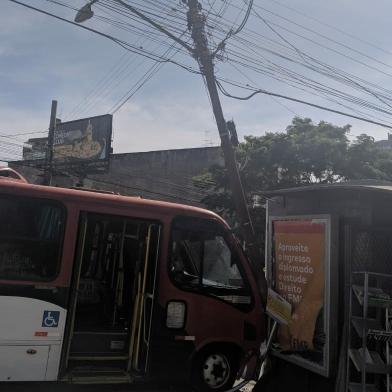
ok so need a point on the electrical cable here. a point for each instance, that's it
(141, 82)
(274, 99)
(304, 56)
(247, 30)
(260, 91)
(332, 27)
(111, 183)
(119, 42)
(328, 72)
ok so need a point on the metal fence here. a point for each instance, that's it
(371, 250)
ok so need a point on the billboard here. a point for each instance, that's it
(299, 272)
(86, 141)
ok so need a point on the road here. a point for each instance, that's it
(62, 387)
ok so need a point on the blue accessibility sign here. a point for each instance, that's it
(51, 318)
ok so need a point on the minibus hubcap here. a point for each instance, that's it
(216, 370)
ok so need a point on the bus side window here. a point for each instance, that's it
(201, 258)
(30, 238)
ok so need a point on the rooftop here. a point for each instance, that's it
(361, 185)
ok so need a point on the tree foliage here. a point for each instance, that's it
(306, 153)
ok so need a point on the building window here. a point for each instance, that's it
(30, 238)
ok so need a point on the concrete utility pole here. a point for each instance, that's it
(49, 151)
(196, 22)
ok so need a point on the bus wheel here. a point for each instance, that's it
(215, 370)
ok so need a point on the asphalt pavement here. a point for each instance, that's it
(63, 387)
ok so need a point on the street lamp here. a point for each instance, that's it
(85, 12)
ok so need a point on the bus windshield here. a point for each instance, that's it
(202, 259)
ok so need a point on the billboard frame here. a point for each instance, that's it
(87, 166)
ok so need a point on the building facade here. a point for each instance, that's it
(163, 175)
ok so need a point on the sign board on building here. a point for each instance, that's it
(299, 272)
(85, 141)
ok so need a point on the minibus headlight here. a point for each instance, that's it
(175, 317)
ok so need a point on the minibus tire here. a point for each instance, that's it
(214, 370)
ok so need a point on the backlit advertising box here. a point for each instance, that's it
(298, 270)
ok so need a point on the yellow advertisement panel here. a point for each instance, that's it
(299, 253)
(299, 267)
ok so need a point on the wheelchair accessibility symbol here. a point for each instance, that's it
(51, 318)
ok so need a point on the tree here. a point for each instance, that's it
(367, 161)
(306, 153)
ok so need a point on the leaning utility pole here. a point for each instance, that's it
(196, 23)
(49, 149)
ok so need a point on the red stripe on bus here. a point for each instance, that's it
(40, 333)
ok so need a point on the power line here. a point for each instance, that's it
(131, 9)
(361, 86)
(345, 46)
(138, 85)
(304, 56)
(7, 143)
(233, 32)
(274, 99)
(123, 44)
(105, 182)
(301, 80)
(314, 86)
(132, 48)
(332, 27)
(13, 135)
(245, 44)
(249, 32)
(322, 71)
(260, 91)
(142, 81)
(298, 78)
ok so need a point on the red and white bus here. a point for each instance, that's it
(99, 288)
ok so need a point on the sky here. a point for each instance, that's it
(42, 58)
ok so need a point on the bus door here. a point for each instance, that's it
(144, 305)
(114, 289)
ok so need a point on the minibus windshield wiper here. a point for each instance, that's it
(211, 283)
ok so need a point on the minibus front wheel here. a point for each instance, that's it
(214, 369)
